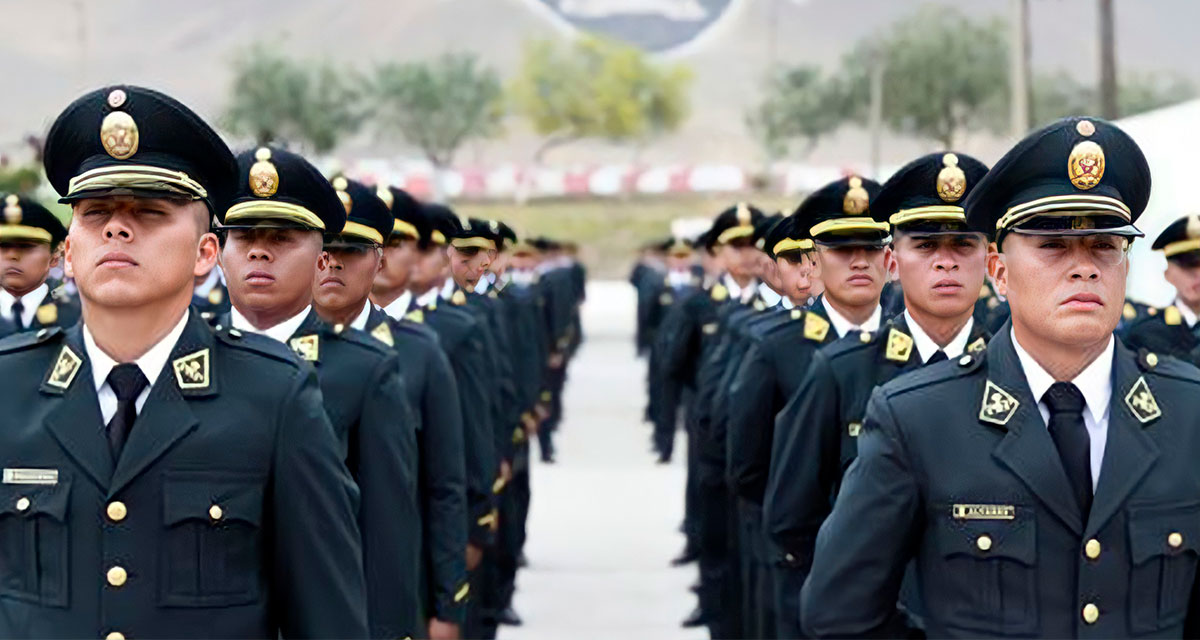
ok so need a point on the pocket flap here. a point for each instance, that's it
(1014, 539)
(29, 500)
(1163, 530)
(212, 497)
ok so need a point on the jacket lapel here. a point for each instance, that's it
(1027, 449)
(76, 421)
(166, 417)
(1128, 452)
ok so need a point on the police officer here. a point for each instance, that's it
(29, 248)
(340, 296)
(941, 266)
(273, 230)
(153, 467)
(1174, 331)
(1051, 493)
(668, 289)
(211, 297)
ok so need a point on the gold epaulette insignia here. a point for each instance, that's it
(383, 333)
(416, 315)
(307, 347)
(665, 299)
(1129, 313)
(1172, 316)
(215, 296)
(47, 313)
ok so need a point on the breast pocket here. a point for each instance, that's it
(34, 542)
(983, 573)
(1163, 543)
(213, 540)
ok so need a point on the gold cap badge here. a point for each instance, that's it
(951, 181)
(856, 199)
(307, 347)
(340, 184)
(12, 210)
(1085, 128)
(1085, 166)
(119, 135)
(264, 178)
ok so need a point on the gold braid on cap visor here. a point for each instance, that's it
(792, 244)
(932, 213)
(403, 228)
(24, 232)
(732, 233)
(849, 224)
(273, 210)
(1182, 246)
(358, 230)
(136, 176)
(1077, 205)
(478, 242)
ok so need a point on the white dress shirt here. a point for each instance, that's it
(31, 301)
(844, 326)
(769, 296)
(1185, 312)
(360, 321)
(736, 292)
(281, 332)
(399, 306)
(447, 289)
(926, 347)
(151, 363)
(679, 279)
(429, 297)
(787, 303)
(1094, 382)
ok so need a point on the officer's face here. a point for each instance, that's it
(500, 264)
(271, 269)
(429, 270)
(679, 262)
(525, 262)
(740, 258)
(1068, 290)
(346, 279)
(796, 271)
(1183, 272)
(399, 258)
(941, 274)
(24, 265)
(133, 252)
(467, 265)
(853, 276)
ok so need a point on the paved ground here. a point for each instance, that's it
(604, 520)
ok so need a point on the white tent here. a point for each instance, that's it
(1167, 137)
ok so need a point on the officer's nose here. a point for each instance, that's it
(117, 227)
(259, 253)
(1083, 265)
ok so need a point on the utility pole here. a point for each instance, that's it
(1018, 57)
(1108, 62)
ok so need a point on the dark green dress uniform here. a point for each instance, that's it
(214, 302)
(197, 528)
(363, 392)
(433, 393)
(1167, 332)
(980, 499)
(665, 395)
(25, 221)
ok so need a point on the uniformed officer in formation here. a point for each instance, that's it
(30, 243)
(1173, 331)
(1053, 496)
(663, 291)
(941, 266)
(151, 464)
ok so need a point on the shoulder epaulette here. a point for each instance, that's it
(1129, 312)
(259, 344)
(961, 366)
(25, 340)
(1151, 362)
(1171, 316)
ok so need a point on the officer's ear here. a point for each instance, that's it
(997, 269)
(889, 261)
(68, 271)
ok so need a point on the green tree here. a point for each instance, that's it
(943, 74)
(600, 89)
(438, 105)
(1057, 95)
(798, 108)
(275, 99)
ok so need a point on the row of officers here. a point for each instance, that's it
(926, 408)
(263, 403)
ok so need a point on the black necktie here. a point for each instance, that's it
(127, 381)
(18, 312)
(1071, 439)
(938, 356)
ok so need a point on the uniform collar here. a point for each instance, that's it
(679, 279)
(31, 302)
(769, 296)
(736, 292)
(360, 321)
(429, 297)
(447, 289)
(786, 303)
(926, 347)
(281, 332)
(1185, 312)
(399, 306)
(1094, 382)
(844, 326)
(151, 363)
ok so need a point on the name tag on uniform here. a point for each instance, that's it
(31, 476)
(984, 512)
